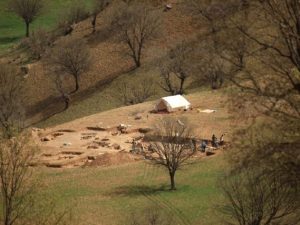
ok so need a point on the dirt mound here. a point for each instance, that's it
(109, 159)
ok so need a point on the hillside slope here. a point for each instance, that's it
(108, 61)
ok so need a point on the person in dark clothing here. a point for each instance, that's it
(194, 142)
(203, 146)
(222, 139)
(214, 140)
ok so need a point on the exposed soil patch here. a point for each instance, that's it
(108, 159)
(116, 137)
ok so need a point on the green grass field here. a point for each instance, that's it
(12, 28)
(109, 195)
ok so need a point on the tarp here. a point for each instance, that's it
(173, 103)
(206, 110)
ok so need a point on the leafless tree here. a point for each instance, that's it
(265, 146)
(277, 49)
(98, 7)
(130, 93)
(217, 40)
(210, 69)
(257, 40)
(177, 69)
(273, 49)
(15, 157)
(255, 198)
(213, 13)
(19, 186)
(138, 24)
(71, 58)
(172, 145)
(61, 89)
(38, 42)
(28, 10)
(11, 100)
(263, 53)
(77, 12)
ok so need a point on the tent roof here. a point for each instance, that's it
(176, 101)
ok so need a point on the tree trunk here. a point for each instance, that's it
(67, 101)
(76, 85)
(213, 85)
(27, 29)
(181, 85)
(172, 179)
(8, 211)
(139, 54)
(137, 62)
(94, 23)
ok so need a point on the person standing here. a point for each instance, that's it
(222, 139)
(214, 140)
(194, 143)
(203, 146)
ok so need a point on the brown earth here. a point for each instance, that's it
(110, 159)
(108, 59)
(85, 139)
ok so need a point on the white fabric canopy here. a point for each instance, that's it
(173, 103)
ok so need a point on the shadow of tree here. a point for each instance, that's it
(54, 105)
(7, 40)
(135, 190)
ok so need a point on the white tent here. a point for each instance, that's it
(173, 103)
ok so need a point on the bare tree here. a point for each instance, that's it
(138, 25)
(71, 58)
(265, 146)
(38, 42)
(217, 41)
(260, 41)
(273, 49)
(212, 13)
(28, 10)
(11, 100)
(211, 70)
(15, 157)
(255, 198)
(264, 56)
(280, 89)
(61, 89)
(98, 7)
(177, 69)
(172, 145)
(18, 183)
(77, 12)
(130, 93)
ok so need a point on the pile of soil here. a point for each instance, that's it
(109, 159)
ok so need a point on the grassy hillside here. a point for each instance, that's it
(105, 99)
(108, 60)
(109, 195)
(12, 28)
